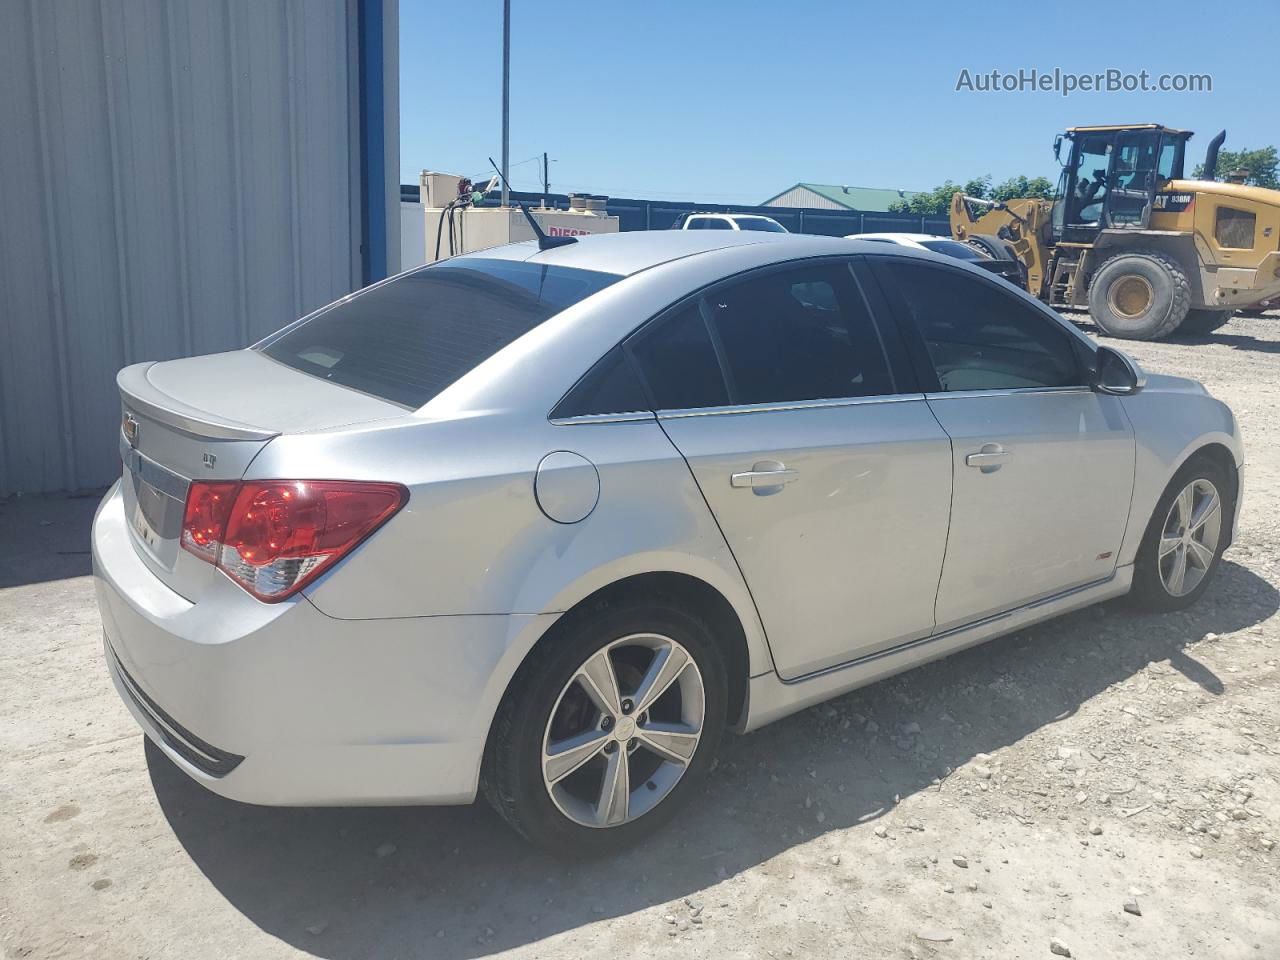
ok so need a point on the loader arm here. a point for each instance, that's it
(1022, 224)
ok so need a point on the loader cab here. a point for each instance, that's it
(1110, 176)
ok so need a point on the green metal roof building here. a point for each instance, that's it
(827, 196)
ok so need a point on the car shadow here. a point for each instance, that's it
(456, 882)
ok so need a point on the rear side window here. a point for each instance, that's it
(407, 340)
(611, 386)
(979, 337)
(798, 334)
(679, 362)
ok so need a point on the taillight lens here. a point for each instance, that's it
(205, 518)
(273, 537)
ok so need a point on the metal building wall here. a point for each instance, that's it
(804, 197)
(176, 177)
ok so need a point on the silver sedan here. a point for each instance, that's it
(544, 523)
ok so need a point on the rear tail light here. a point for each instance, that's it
(273, 537)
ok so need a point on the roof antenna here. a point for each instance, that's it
(544, 242)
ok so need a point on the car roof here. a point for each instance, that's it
(628, 253)
(662, 268)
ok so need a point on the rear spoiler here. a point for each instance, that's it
(140, 396)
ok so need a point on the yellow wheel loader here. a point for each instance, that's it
(1126, 236)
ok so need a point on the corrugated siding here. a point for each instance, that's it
(175, 178)
(804, 197)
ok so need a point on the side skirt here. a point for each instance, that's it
(772, 698)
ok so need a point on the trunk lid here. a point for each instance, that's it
(206, 418)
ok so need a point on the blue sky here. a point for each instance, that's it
(733, 102)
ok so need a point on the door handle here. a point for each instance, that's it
(763, 478)
(991, 456)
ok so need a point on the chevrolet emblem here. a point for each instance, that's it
(129, 426)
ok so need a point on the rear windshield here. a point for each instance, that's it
(407, 340)
(953, 248)
(760, 223)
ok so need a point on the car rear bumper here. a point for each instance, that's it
(281, 704)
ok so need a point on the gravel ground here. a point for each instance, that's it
(1105, 785)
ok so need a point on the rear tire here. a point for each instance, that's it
(1167, 542)
(549, 706)
(1139, 295)
(1205, 321)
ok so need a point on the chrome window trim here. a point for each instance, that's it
(1004, 392)
(787, 405)
(637, 417)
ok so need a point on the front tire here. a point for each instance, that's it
(607, 727)
(1140, 295)
(1184, 540)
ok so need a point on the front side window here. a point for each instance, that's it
(1234, 228)
(408, 339)
(979, 337)
(798, 334)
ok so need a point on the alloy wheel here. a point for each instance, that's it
(1189, 540)
(623, 730)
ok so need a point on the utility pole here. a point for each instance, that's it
(506, 99)
(546, 178)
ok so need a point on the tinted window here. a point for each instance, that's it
(761, 224)
(695, 223)
(407, 340)
(980, 338)
(679, 363)
(715, 223)
(798, 334)
(611, 386)
(952, 248)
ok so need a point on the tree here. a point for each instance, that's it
(938, 200)
(1015, 187)
(1263, 166)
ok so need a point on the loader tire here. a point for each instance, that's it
(992, 246)
(1205, 321)
(999, 249)
(1139, 295)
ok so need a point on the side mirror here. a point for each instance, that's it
(1057, 148)
(1117, 373)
